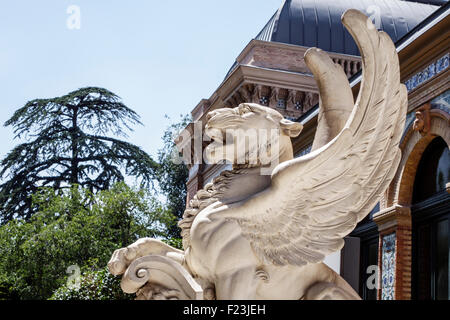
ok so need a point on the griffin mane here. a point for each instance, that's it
(211, 193)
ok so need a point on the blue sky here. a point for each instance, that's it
(160, 57)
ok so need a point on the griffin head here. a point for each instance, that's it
(249, 135)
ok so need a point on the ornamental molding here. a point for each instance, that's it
(389, 218)
(413, 144)
(289, 57)
(429, 72)
(422, 122)
(277, 66)
(426, 92)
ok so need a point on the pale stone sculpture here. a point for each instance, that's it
(253, 236)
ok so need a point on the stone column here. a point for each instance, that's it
(394, 258)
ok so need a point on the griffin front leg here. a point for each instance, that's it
(122, 258)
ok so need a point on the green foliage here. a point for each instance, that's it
(7, 288)
(94, 285)
(171, 175)
(72, 227)
(70, 141)
(174, 242)
(63, 201)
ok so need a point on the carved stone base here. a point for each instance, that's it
(156, 277)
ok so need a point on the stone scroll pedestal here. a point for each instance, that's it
(155, 277)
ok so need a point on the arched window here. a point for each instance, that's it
(431, 224)
(433, 172)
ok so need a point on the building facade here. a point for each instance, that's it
(401, 250)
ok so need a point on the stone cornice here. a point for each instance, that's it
(392, 217)
(422, 49)
(269, 77)
(272, 64)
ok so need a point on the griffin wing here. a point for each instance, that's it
(316, 200)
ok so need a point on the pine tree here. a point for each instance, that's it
(71, 142)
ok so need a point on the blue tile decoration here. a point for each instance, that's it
(442, 102)
(429, 72)
(304, 151)
(388, 267)
(263, 100)
(281, 103)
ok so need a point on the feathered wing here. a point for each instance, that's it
(316, 200)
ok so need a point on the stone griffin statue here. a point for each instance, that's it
(253, 236)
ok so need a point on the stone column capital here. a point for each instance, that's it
(393, 217)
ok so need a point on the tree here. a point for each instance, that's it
(70, 143)
(172, 176)
(78, 228)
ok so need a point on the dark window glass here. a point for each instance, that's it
(432, 260)
(442, 269)
(369, 257)
(371, 294)
(433, 171)
(424, 263)
(431, 219)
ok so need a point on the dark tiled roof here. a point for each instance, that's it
(406, 38)
(317, 23)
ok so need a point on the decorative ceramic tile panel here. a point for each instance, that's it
(388, 267)
(281, 103)
(429, 72)
(304, 151)
(263, 101)
(442, 102)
